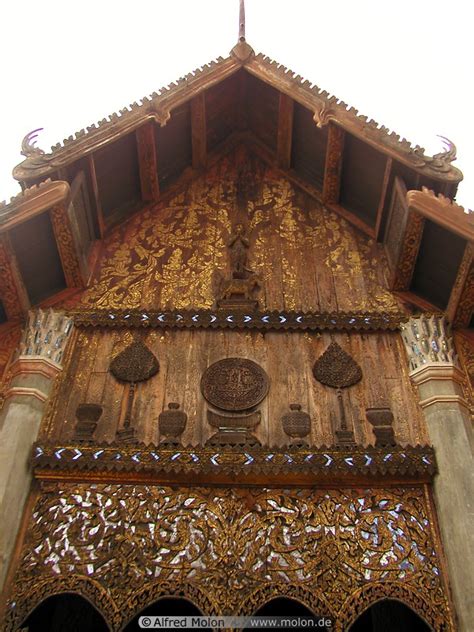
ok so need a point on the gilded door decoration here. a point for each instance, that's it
(136, 363)
(229, 550)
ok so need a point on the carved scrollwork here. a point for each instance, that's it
(229, 550)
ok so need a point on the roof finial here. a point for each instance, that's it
(242, 21)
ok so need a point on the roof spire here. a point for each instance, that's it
(242, 51)
(242, 21)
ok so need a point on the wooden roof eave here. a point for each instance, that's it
(328, 108)
(33, 201)
(157, 109)
(442, 211)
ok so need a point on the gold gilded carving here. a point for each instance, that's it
(466, 302)
(304, 256)
(66, 246)
(234, 384)
(231, 549)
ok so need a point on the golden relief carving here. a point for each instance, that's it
(341, 549)
(172, 256)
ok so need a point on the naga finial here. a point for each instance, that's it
(28, 148)
(449, 153)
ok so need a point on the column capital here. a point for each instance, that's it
(428, 341)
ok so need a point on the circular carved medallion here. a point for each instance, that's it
(234, 384)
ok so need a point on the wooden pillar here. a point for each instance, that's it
(147, 162)
(198, 131)
(333, 166)
(285, 131)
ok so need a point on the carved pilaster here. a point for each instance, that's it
(198, 131)
(409, 252)
(38, 361)
(439, 381)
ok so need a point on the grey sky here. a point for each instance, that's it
(407, 64)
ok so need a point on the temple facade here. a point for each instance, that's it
(237, 366)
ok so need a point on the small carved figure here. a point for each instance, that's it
(239, 288)
(172, 422)
(239, 245)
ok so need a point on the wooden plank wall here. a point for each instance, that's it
(287, 358)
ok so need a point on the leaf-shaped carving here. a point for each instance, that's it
(136, 363)
(336, 368)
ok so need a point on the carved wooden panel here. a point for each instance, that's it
(231, 550)
(172, 255)
(287, 359)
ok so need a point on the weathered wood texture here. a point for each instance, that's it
(287, 358)
(174, 254)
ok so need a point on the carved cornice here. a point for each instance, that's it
(238, 319)
(32, 201)
(443, 211)
(158, 107)
(59, 461)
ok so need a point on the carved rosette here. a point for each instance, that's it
(428, 340)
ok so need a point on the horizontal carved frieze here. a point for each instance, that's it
(319, 462)
(239, 319)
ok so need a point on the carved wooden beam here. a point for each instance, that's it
(12, 291)
(95, 192)
(383, 195)
(333, 167)
(285, 131)
(147, 162)
(198, 131)
(411, 241)
(66, 246)
(461, 302)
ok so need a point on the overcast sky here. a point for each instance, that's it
(407, 64)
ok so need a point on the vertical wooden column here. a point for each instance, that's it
(96, 196)
(147, 162)
(439, 381)
(333, 166)
(285, 131)
(198, 131)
